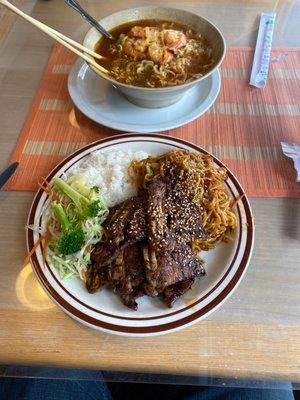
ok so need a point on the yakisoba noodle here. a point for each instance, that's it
(199, 176)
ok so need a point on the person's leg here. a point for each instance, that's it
(50, 389)
(132, 391)
(148, 391)
(217, 393)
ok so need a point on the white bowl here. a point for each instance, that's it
(159, 97)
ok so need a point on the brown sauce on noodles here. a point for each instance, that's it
(155, 53)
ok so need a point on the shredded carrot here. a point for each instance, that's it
(237, 200)
(50, 194)
(46, 238)
(45, 185)
(31, 252)
(44, 188)
(44, 180)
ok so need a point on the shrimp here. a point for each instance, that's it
(148, 32)
(144, 41)
(173, 39)
(159, 55)
(135, 48)
(152, 34)
(137, 31)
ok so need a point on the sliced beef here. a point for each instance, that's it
(145, 247)
(116, 270)
(104, 254)
(129, 299)
(169, 268)
(129, 277)
(125, 274)
(160, 238)
(173, 217)
(96, 278)
(117, 215)
(174, 292)
(125, 225)
(128, 222)
(115, 226)
(184, 217)
(135, 273)
(137, 227)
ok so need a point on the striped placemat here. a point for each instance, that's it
(244, 128)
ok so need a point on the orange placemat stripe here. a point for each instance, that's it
(244, 127)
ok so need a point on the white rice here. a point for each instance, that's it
(109, 171)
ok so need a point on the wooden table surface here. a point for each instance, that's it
(255, 334)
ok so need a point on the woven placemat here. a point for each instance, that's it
(244, 127)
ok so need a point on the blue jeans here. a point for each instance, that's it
(49, 389)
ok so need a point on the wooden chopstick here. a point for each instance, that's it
(74, 43)
(64, 40)
(36, 23)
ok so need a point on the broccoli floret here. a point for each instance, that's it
(73, 238)
(71, 242)
(84, 207)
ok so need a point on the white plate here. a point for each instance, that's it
(103, 103)
(225, 265)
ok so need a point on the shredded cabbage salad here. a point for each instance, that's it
(76, 264)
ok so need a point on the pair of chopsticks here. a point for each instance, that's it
(59, 37)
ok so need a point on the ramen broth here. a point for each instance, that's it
(155, 53)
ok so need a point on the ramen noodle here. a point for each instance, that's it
(155, 53)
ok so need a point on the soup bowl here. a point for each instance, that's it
(159, 97)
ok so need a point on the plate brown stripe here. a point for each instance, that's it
(157, 328)
(165, 315)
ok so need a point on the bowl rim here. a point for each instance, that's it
(162, 89)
